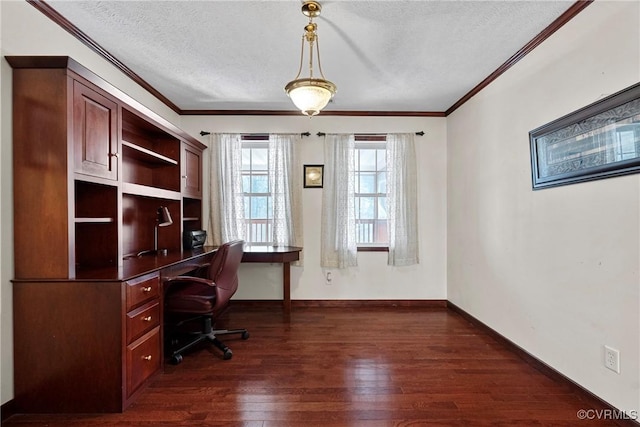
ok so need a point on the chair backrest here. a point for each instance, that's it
(224, 272)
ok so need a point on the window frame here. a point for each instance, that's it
(258, 142)
(376, 142)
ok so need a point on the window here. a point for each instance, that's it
(258, 201)
(371, 192)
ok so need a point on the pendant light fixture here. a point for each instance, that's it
(310, 94)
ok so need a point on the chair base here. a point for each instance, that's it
(207, 334)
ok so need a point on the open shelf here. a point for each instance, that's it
(147, 191)
(94, 220)
(96, 225)
(142, 154)
(192, 214)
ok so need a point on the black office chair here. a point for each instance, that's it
(188, 299)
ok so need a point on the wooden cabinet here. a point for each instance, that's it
(191, 171)
(91, 168)
(94, 133)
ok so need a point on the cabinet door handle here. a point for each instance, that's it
(146, 289)
(116, 155)
(147, 319)
(148, 357)
(184, 176)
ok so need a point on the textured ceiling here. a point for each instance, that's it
(383, 55)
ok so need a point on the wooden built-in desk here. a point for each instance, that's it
(91, 344)
(276, 254)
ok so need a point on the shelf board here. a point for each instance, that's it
(190, 218)
(143, 190)
(105, 220)
(140, 153)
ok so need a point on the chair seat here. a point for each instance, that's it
(191, 298)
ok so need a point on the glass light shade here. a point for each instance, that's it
(310, 95)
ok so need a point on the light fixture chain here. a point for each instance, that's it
(301, 58)
(318, 53)
(311, 36)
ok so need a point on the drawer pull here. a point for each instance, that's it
(146, 289)
(147, 319)
(147, 357)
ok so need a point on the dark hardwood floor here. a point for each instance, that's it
(328, 367)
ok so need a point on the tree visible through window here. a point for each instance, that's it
(258, 202)
(371, 193)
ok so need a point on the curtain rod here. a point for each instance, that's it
(420, 133)
(204, 133)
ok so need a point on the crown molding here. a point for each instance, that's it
(324, 113)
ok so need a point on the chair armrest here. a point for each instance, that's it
(188, 279)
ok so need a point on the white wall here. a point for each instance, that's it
(557, 271)
(372, 279)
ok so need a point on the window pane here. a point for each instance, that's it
(364, 232)
(382, 235)
(382, 160)
(259, 206)
(260, 159)
(382, 208)
(259, 184)
(246, 183)
(367, 183)
(382, 182)
(367, 160)
(247, 207)
(367, 207)
(246, 159)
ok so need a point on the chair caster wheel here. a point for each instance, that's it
(176, 359)
(245, 335)
(227, 354)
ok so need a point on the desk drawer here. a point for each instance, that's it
(141, 289)
(143, 360)
(142, 320)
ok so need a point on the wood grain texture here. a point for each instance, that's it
(366, 366)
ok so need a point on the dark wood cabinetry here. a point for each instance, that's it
(94, 133)
(191, 171)
(91, 168)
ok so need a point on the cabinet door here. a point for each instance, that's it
(94, 133)
(191, 171)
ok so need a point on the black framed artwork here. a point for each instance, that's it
(313, 176)
(598, 141)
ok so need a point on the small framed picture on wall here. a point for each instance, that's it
(313, 176)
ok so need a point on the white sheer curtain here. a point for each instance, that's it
(338, 241)
(285, 182)
(402, 200)
(226, 201)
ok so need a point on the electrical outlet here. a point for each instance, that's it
(328, 278)
(612, 359)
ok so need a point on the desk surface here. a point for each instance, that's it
(136, 266)
(276, 254)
